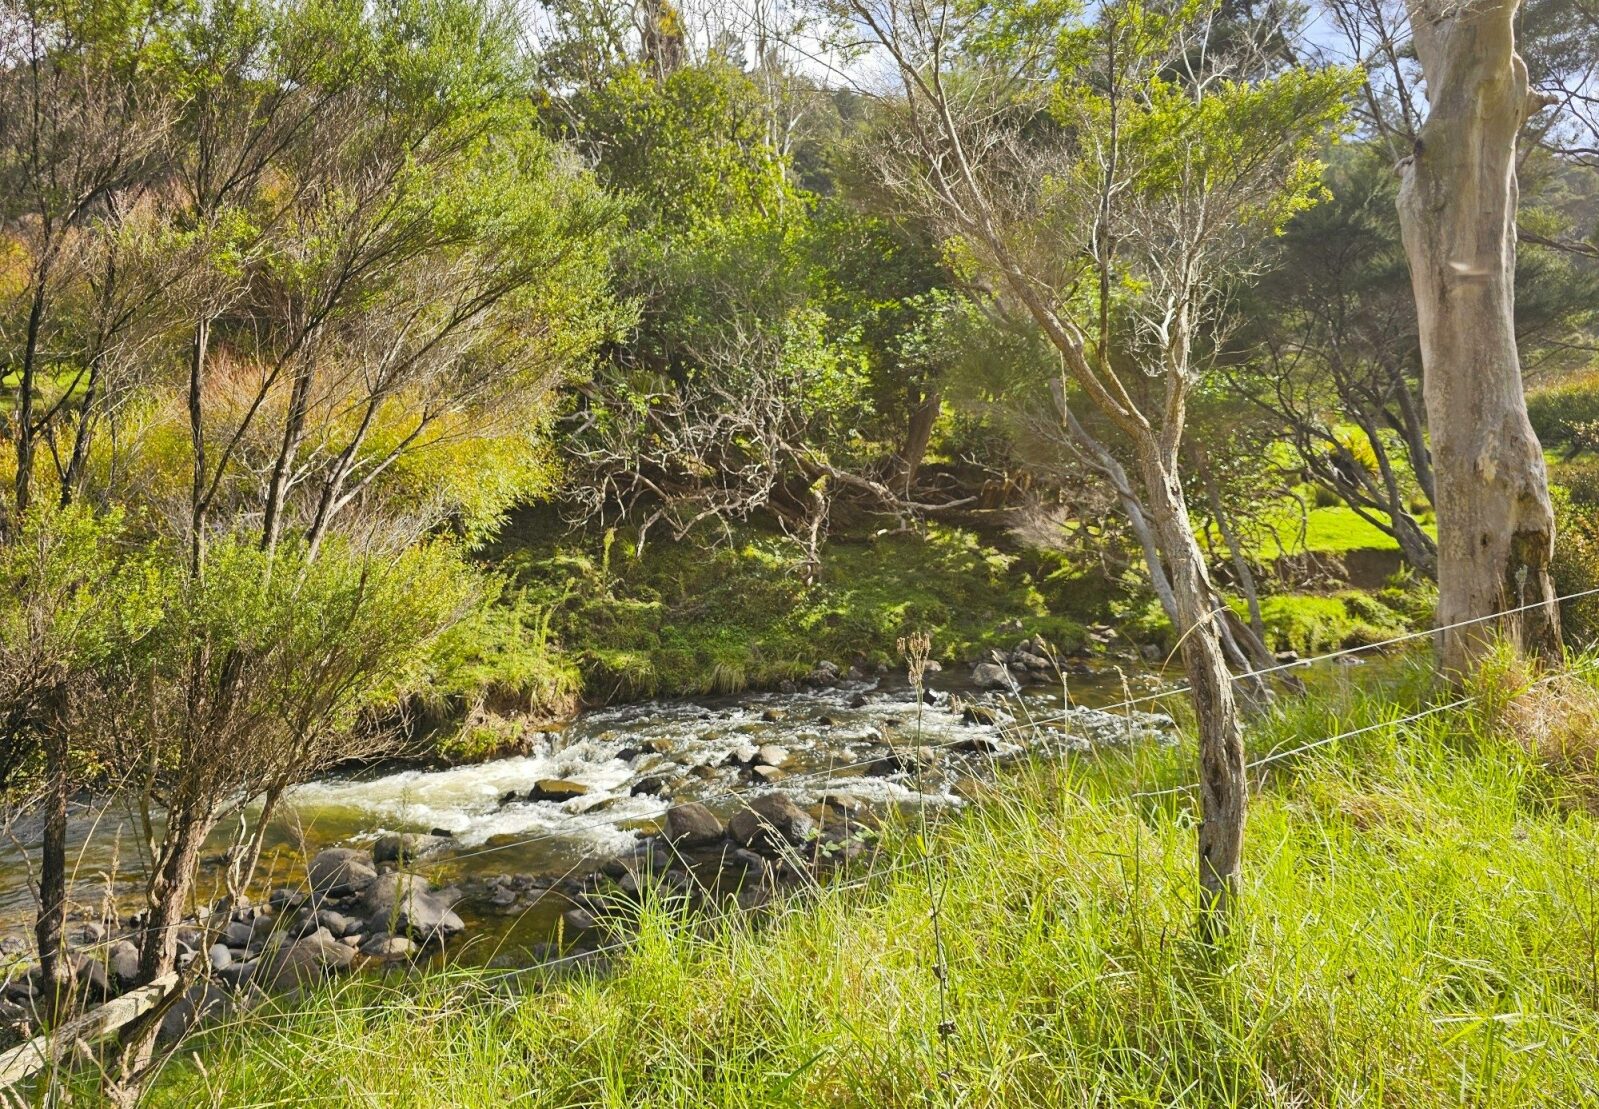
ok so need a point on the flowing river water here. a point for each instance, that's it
(630, 762)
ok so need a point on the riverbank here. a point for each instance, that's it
(514, 861)
(585, 619)
(1418, 929)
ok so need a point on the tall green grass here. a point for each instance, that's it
(1420, 927)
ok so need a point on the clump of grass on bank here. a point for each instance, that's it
(1312, 623)
(1420, 927)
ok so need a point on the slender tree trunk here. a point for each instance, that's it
(1222, 783)
(918, 434)
(197, 500)
(1415, 545)
(278, 485)
(1138, 520)
(50, 924)
(168, 893)
(1415, 433)
(81, 437)
(1457, 212)
(1115, 474)
(1235, 550)
(26, 385)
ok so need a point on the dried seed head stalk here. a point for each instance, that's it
(916, 649)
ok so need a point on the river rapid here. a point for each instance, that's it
(619, 769)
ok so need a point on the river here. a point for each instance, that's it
(828, 742)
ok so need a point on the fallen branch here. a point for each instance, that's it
(47, 1050)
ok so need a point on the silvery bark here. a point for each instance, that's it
(1457, 213)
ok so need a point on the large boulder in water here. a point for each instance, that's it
(406, 905)
(307, 961)
(557, 790)
(386, 947)
(770, 823)
(403, 847)
(340, 870)
(204, 999)
(692, 825)
(122, 963)
(992, 675)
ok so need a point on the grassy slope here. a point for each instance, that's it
(687, 619)
(1420, 929)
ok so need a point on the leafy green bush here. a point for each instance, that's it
(1576, 566)
(1579, 479)
(1316, 623)
(501, 658)
(1566, 413)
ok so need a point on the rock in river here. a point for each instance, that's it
(988, 715)
(406, 905)
(692, 825)
(991, 675)
(341, 870)
(307, 960)
(403, 847)
(771, 821)
(556, 789)
(122, 962)
(385, 946)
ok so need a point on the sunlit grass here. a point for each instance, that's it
(1333, 529)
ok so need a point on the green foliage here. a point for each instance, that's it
(321, 642)
(66, 603)
(501, 656)
(684, 619)
(687, 151)
(1184, 146)
(1313, 624)
(1416, 919)
(1567, 413)
(1575, 568)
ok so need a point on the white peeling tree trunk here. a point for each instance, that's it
(1457, 214)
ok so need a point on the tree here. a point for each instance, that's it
(84, 106)
(1116, 179)
(1457, 209)
(1330, 354)
(262, 672)
(326, 309)
(66, 603)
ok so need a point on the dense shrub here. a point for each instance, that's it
(1576, 564)
(1567, 413)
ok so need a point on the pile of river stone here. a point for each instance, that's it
(360, 907)
(355, 906)
(1030, 660)
(770, 842)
